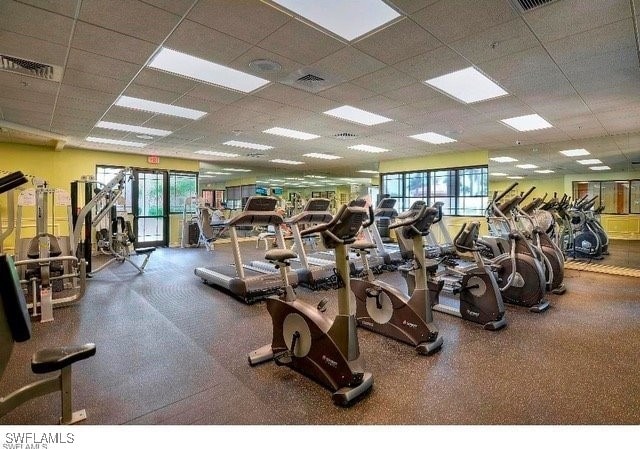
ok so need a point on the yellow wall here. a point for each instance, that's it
(430, 162)
(59, 168)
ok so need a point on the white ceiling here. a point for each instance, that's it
(574, 62)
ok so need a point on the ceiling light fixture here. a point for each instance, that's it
(216, 153)
(527, 166)
(286, 162)
(531, 122)
(502, 159)
(515, 177)
(601, 167)
(124, 143)
(322, 156)
(158, 108)
(351, 114)
(188, 66)
(544, 172)
(349, 20)
(237, 169)
(576, 152)
(249, 145)
(291, 133)
(467, 85)
(368, 148)
(132, 128)
(497, 174)
(434, 138)
(371, 172)
(589, 161)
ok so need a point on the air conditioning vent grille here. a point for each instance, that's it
(528, 5)
(309, 78)
(345, 136)
(30, 68)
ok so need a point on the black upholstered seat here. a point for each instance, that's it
(53, 359)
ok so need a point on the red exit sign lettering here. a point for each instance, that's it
(153, 159)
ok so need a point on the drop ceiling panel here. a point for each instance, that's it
(348, 63)
(83, 94)
(411, 6)
(28, 96)
(561, 107)
(248, 20)
(166, 122)
(73, 77)
(500, 108)
(26, 106)
(82, 104)
(71, 115)
(27, 20)
(14, 82)
(33, 119)
(454, 19)
(198, 104)
(433, 63)
(179, 7)
(379, 103)
(346, 93)
(215, 94)
(87, 62)
(496, 42)
(130, 17)
(66, 8)
(561, 19)
(150, 93)
(300, 42)
(203, 42)
(384, 80)
(296, 98)
(26, 47)
(111, 44)
(402, 40)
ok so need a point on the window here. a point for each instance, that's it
(234, 197)
(463, 191)
(104, 174)
(617, 197)
(181, 187)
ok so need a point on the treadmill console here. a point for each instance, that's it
(261, 204)
(317, 205)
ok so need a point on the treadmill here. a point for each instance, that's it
(391, 254)
(255, 280)
(320, 274)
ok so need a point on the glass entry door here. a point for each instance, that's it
(150, 208)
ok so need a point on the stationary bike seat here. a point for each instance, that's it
(362, 244)
(280, 255)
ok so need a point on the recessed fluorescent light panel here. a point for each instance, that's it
(544, 172)
(601, 167)
(368, 148)
(590, 161)
(351, 114)
(124, 143)
(182, 64)
(347, 19)
(515, 177)
(132, 128)
(217, 173)
(144, 137)
(527, 166)
(576, 152)
(371, 172)
(315, 176)
(291, 133)
(237, 169)
(530, 122)
(158, 108)
(502, 159)
(434, 138)
(497, 174)
(216, 153)
(322, 156)
(249, 145)
(467, 85)
(286, 162)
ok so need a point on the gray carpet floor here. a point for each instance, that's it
(172, 350)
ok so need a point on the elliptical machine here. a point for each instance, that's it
(521, 275)
(386, 310)
(306, 340)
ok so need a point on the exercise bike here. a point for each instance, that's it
(386, 310)
(306, 340)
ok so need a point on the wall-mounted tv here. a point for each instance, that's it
(262, 191)
(277, 190)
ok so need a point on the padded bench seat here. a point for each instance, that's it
(148, 250)
(54, 359)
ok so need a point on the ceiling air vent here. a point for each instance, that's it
(309, 80)
(30, 68)
(528, 5)
(345, 136)
(255, 154)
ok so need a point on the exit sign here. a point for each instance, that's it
(153, 159)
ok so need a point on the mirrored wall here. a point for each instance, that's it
(607, 168)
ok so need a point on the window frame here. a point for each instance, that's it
(172, 174)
